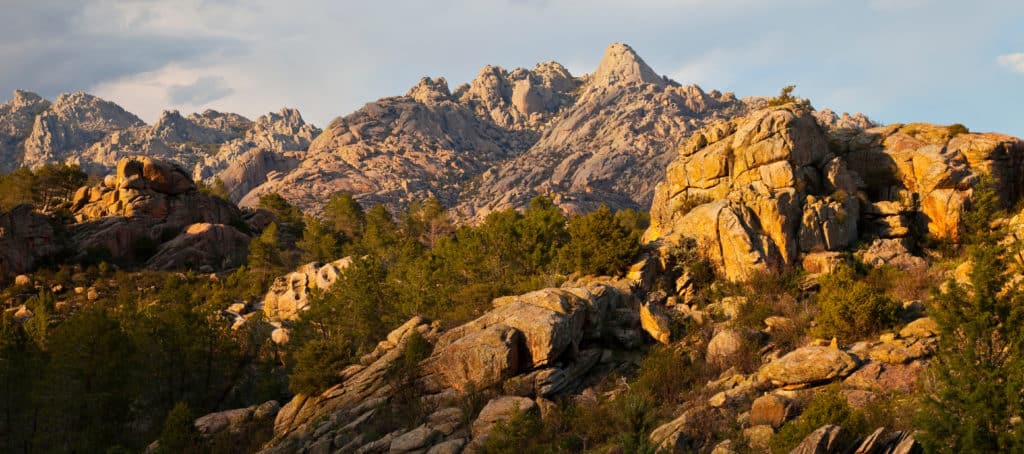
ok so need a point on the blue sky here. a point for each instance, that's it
(894, 60)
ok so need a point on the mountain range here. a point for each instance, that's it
(493, 143)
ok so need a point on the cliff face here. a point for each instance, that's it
(508, 136)
(95, 134)
(760, 191)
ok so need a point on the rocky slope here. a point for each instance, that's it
(147, 212)
(396, 150)
(508, 136)
(610, 146)
(93, 133)
(762, 191)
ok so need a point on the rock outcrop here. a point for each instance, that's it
(95, 134)
(16, 119)
(528, 347)
(149, 203)
(610, 145)
(759, 191)
(26, 238)
(287, 296)
(395, 150)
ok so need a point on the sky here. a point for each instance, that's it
(937, 61)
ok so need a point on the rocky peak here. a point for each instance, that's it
(520, 99)
(621, 65)
(830, 120)
(16, 115)
(555, 75)
(92, 112)
(430, 91)
(26, 98)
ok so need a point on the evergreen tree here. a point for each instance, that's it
(179, 434)
(975, 386)
(345, 215)
(599, 244)
(265, 250)
(318, 242)
(289, 218)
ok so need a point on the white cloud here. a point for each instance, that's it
(1014, 62)
(720, 68)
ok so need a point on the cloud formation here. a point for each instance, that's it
(1013, 62)
(202, 91)
(915, 60)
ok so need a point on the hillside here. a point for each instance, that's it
(532, 262)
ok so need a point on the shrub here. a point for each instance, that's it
(179, 434)
(826, 407)
(786, 97)
(851, 309)
(599, 244)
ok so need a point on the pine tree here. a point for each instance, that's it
(265, 250)
(345, 215)
(179, 433)
(975, 387)
(318, 242)
(599, 244)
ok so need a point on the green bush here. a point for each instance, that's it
(599, 244)
(179, 434)
(826, 407)
(851, 309)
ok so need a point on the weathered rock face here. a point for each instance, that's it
(25, 238)
(16, 119)
(527, 347)
(74, 122)
(610, 146)
(772, 187)
(808, 365)
(95, 134)
(275, 143)
(521, 99)
(148, 203)
(759, 191)
(396, 150)
(287, 297)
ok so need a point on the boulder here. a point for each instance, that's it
(724, 347)
(238, 422)
(215, 245)
(920, 328)
(499, 409)
(759, 436)
(892, 252)
(824, 440)
(480, 358)
(808, 365)
(770, 409)
(414, 440)
(656, 323)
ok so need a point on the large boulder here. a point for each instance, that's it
(26, 237)
(756, 191)
(288, 295)
(480, 358)
(808, 365)
(216, 246)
